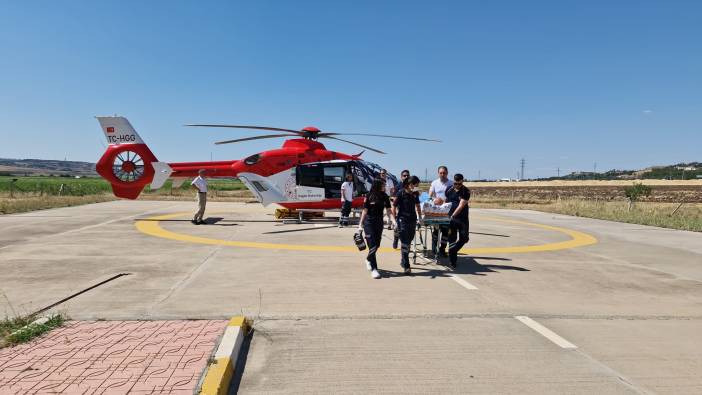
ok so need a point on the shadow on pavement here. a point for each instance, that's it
(299, 230)
(466, 265)
(469, 265)
(240, 365)
(488, 234)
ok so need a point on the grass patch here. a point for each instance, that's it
(65, 186)
(19, 330)
(32, 203)
(54, 186)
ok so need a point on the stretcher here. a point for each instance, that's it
(421, 243)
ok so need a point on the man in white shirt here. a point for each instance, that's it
(200, 185)
(389, 190)
(437, 191)
(346, 200)
(438, 187)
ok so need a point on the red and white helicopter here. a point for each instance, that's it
(301, 175)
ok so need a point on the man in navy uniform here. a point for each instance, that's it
(458, 228)
(403, 176)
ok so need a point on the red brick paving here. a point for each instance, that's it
(112, 357)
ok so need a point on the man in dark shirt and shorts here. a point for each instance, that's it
(458, 228)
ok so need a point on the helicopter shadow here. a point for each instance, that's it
(299, 230)
(488, 234)
(207, 221)
(218, 222)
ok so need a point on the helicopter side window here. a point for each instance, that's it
(310, 176)
(259, 186)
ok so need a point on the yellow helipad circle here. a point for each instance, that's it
(151, 226)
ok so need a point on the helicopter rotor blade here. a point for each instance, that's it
(245, 127)
(269, 136)
(378, 135)
(351, 142)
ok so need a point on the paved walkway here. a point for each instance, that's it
(110, 357)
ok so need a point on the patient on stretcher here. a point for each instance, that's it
(436, 208)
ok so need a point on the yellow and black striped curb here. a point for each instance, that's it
(220, 371)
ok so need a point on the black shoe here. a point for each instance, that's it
(194, 222)
(453, 265)
(394, 246)
(202, 222)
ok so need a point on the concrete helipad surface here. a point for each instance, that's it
(602, 306)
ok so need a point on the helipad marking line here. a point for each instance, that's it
(151, 226)
(545, 332)
(463, 282)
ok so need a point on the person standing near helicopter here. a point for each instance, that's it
(406, 210)
(389, 187)
(346, 200)
(376, 202)
(403, 176)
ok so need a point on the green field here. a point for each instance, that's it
(53, 186)
(67, 186)
(40, 192)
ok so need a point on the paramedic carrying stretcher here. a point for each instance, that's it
(458, 196)
(437, 192)
(406, 210)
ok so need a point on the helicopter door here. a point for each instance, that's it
(262, 188)
(310, 182)
(333, 178)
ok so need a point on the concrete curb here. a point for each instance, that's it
(219, 373)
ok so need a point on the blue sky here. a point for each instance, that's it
(560, 83)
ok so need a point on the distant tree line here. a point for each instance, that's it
(680, 171)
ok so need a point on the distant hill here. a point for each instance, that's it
(21, 167)
(680, 171)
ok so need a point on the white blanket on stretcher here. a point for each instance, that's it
(430, 209)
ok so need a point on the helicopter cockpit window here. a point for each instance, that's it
(360, 186)
(253, 159)
(365, 172)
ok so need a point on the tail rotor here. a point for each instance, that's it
(128, 164)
